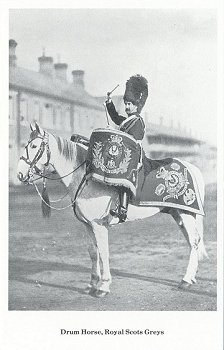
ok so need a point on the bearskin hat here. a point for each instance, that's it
(136, 91)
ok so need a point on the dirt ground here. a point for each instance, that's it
(49, 266)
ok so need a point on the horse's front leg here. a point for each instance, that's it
(95, 260)
(101, 236)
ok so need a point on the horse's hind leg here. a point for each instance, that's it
(188, 225)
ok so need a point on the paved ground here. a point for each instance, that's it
(49, 265)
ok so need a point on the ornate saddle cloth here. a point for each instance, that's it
(167, 183)
(113, 158)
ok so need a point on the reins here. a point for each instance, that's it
(50, 206)
(58, 200)
(58, 178)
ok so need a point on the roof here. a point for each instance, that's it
(164, 131)
(42, 84)
(117, 100)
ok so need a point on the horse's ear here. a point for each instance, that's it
(31, 127)
(37, 127)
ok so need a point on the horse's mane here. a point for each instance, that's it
(66, 148)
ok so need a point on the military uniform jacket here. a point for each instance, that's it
(133, 125)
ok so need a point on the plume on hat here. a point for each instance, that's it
(136, 91)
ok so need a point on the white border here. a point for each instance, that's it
(40, 330)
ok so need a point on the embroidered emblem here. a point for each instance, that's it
(114, 150)
(112, 157)
(111, 164)
(175, 183)
(160, 189)
(97, 155)
(189, 196)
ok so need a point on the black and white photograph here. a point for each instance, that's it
(114, 176)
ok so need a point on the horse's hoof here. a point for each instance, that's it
(100, 294)
(89, 290)
(183, 285)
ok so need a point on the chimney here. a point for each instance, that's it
(78, 77)
(61, 71)
(46, 65)
(12, 53)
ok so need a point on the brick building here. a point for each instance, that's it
(47, 97)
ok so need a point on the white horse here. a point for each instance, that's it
(92, 202)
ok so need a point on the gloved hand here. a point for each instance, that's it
(108, 100)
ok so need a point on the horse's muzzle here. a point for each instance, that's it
(20, 176)
(22, 179)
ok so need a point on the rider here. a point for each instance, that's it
(135, 96)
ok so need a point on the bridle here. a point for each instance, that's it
(35, 170)
(33, 167)
(33, 163)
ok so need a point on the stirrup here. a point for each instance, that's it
(120, 213)
(114, 212)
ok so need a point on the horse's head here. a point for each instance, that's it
(36, 155)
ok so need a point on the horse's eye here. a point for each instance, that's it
(33, 146)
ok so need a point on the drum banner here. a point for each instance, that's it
(168, 183)
(113, 158)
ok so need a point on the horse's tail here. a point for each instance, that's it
(45, 203)
(201, 247)
(199, 218)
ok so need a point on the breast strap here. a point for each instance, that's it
(134, 117)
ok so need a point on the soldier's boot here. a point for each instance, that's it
(121, 210)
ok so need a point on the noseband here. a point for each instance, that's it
(44, 145)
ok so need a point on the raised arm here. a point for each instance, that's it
(117, 118)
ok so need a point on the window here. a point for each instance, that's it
(24, 110)
(57, 117)
(66, 120)
(36, 111)
(81, 119)
(12, 116)
(48, 115)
